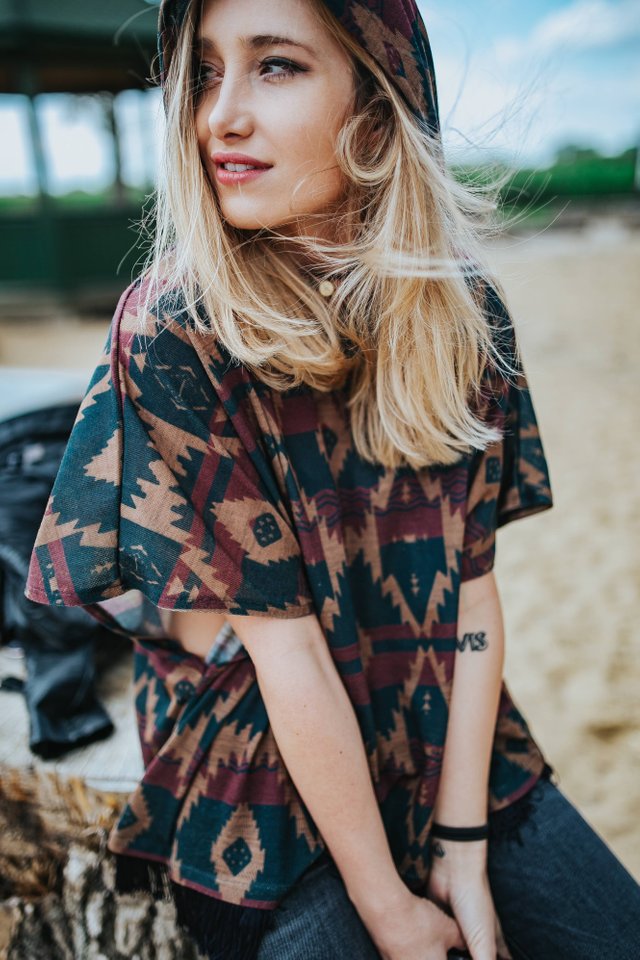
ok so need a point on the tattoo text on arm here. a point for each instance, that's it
(475, 641)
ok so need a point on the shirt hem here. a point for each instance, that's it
(62, 598)
(164, 865)
(518, 513)
(70, 599)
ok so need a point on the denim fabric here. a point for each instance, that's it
(559, 891)
(562, 894)
(317, 921)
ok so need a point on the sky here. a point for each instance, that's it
(525, 78)
(515, 80)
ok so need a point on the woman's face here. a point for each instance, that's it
(275, 87)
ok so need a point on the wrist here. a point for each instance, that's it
(451, 855)
(461, 809)
(464, 834)
(373, 900)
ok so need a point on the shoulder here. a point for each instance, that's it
(146, 308)
(161, 365)
(501, 368)
(491, 299)
(152, 327)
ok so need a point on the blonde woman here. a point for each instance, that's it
(284, 483)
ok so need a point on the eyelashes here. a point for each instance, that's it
(206, 77)
(290, 67)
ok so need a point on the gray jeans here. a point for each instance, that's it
(559, 891)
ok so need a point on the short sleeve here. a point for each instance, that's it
(157, 493)
(509, 479)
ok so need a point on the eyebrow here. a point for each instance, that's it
(258, 42)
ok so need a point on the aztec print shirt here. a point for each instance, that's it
(188, 483)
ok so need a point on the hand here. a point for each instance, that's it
(458, 882)
(411, 928)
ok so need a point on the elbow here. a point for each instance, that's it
(478, 592)
(480, 618)
(270, 641)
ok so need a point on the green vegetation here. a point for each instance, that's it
(539, 195)
(578, 172)
(75, 200)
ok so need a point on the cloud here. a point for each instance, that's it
(523, 96)
(587, 24)
(582, 26)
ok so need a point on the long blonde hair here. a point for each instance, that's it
(405, 321)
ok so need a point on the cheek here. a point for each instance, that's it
(202, 128)
(330, 111)
(307, 135)
(323, 143)
(204, 141)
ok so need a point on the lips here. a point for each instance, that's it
(240, 167)
(238, 159)
(238, 172)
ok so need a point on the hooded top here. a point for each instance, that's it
(187, 483)
(391, 31)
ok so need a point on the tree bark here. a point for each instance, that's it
(57, 878)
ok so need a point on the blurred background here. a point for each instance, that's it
(551, 92)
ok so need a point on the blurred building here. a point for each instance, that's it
(93, 52)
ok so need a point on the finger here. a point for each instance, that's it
(477, 924)
(449, 928)
(453, 934)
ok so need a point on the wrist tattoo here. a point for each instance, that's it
(475, 641)
(437, 848)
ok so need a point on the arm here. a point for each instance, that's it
(463, 793)
(319, 737)
(458, 878)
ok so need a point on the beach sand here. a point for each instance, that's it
(570, 577)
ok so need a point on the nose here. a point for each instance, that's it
(230, 114)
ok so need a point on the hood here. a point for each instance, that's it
(391, 31)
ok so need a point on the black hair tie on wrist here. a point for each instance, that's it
(460, 833)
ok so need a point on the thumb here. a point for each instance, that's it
(453, 934)
(476, 918)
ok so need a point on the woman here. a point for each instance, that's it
(284, 483)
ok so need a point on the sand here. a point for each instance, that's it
(570, 577)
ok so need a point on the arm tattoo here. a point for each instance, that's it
(476, 641)
(437, 848)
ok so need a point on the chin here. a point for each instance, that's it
(253, 223)
(249, 219)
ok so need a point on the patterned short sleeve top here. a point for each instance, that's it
(187, 483)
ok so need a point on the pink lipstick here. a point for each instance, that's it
(232, 168)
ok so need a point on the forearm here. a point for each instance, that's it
(463, 792)
(318, 735)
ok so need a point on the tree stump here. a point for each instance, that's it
(57, 878)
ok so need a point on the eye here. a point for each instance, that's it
(204, 76)
(275, 68)
(283, 67)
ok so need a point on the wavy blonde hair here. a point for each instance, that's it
(405, 323)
